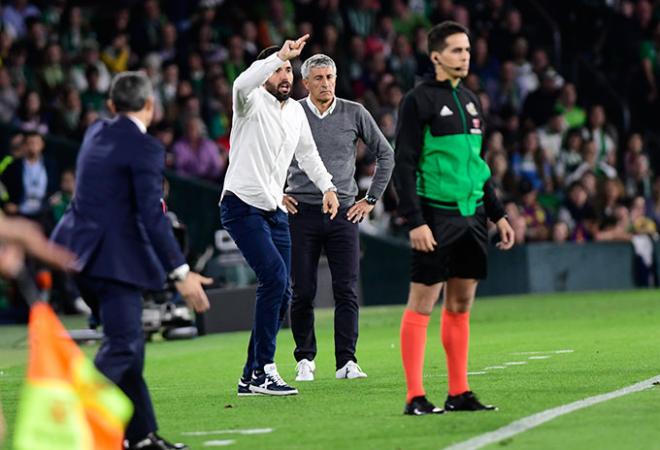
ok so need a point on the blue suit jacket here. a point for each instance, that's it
(115, 223)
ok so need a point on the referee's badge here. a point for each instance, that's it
(471, 109)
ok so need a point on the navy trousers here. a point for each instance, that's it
(121, 356)
(311, 232)
(263, 239)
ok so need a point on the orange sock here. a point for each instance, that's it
(455, 333)
(413, 346)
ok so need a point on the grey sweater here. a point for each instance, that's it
(336, 136)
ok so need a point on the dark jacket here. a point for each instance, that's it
(115, 223)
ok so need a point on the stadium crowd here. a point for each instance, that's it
(572, 157)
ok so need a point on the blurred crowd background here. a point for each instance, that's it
(570, 90)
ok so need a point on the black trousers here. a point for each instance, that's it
(311, 232)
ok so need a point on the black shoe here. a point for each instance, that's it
(244, 388)
(155, 442)
(269, 382)
(420, 406)
(466, 401)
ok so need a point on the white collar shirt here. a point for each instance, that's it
(265, 136)
(138, 123)
(315, 110)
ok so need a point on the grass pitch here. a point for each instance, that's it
(573, 346)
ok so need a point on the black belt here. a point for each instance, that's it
(449, 205)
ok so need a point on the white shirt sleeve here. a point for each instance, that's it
(250, 80)
(309, 160)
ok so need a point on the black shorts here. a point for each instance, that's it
(462, 250)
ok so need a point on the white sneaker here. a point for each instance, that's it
(351, 371)
(305, 370)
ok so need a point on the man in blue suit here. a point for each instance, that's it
(124, 242)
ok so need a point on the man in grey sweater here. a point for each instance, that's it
(336, 125)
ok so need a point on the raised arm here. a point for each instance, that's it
(259, 71)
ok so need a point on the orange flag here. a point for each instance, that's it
(66, 403)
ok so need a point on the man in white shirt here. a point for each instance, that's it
(267, 129)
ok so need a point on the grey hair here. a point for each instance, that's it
(318, 60)
(129, 91)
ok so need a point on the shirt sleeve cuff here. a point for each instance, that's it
(415, 220)
(180, 273)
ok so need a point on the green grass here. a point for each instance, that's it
(615, 337)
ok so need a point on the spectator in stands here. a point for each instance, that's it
(610, 197)
(197, 156)
(250, 33)
(573, 115)
(653, 203)
(236, 62)
(277, 24)
(148, 28)
(506, 92)
(570, 156)
(540, 104)
(93, 98)
(68, 113)
(578, 214)
(196, 74)
(529, 163)
(483, 64)
(8, 97)
(29, 116)
(90, 57)
(14, 15)
(599, 131)
(51, 75)
(551, 137)
(361, 17)
(638, 178)
(560, 232)
(403, 64)
(501, 177)
(634, 148)
(649, 50)
(74, 34)
(505, 35)
(536, 217)
(117, 55)
(60, 200)
(30, 181)
(405, 20)
(590, 163)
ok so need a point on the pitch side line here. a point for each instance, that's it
(243, 432)
(529, 422)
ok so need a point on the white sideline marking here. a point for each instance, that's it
(568, 350)
(247, 431)
(529, 422)
(494, 367)
(219, 443)
(515, 363)
(539, 357)
(476, 373)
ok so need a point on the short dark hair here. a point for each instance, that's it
(32, 133)
(438, 35)
(265, 53)
(129, 91)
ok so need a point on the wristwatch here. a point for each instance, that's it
(370, 199)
